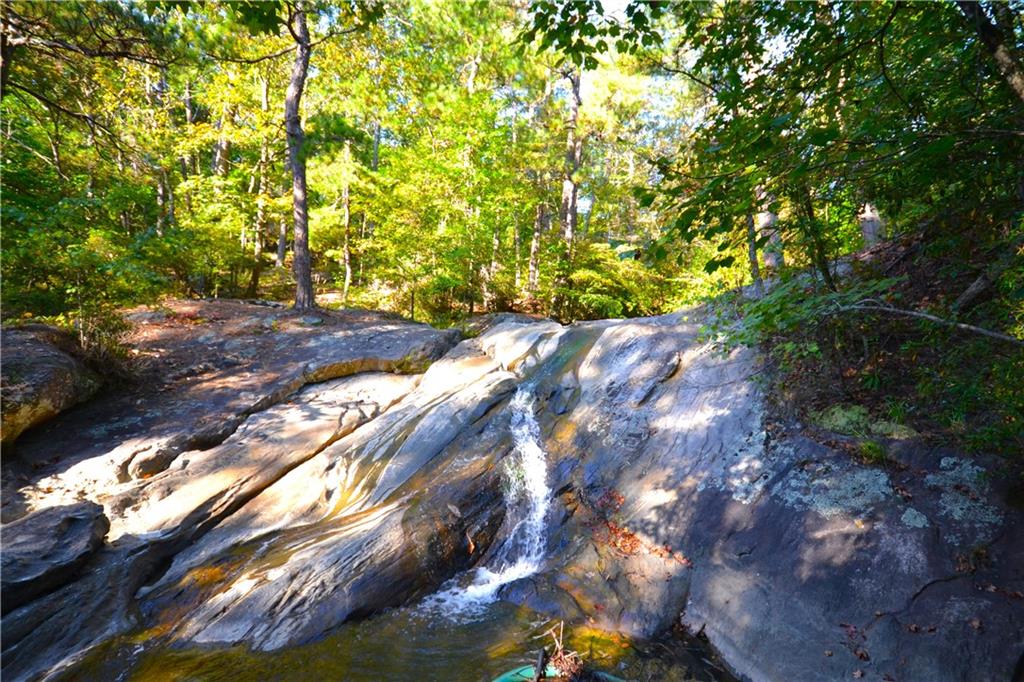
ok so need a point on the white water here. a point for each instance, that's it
(527, 496)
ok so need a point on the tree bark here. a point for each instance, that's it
(870, 224)
(282, 243)
(818, 250)
(222, 148)
(304, 296)
(6, 53)
(755, 269)
(774, 258)
(517, 245)
(347, 225)
(533, 273)
(995, 43)
(260, 228)
(573, 156)
(568, 213)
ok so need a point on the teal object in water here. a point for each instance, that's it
(525, 674)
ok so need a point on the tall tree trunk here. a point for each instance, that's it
(253, 289)
(517, 241)
(362, 239)
(755, 269)
(492, 268)
(260, 228)
(568, 214)
(346, 224)
(996, 44)
(222, 148)
(573, 155)
(161, 205)
(282, 243)
(767, 220)
(533, 273)
(304, 296)
(169, 193)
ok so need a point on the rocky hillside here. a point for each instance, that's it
(280, 474)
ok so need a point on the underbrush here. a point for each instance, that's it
(96, 334)
(857, 348)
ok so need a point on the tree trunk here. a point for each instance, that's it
(6, 52)
(818, 251)
(568, 213)
(161, 206)
(774, 259)
(257, 266)
(995, 43)
(282, 243)
(517, 241)
(755, 270)
(870, 224)
(490, 301)
(222, 148)
(573, 156)
(346, 250)
(169, 194)
(533, 273)
(304, 296)
(260, 228)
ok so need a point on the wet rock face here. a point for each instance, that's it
(39, 380)
(678, 507)
(288, 509)
(45, 550)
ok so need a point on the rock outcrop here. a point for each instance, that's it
(675, 502)
(38, 380)
(44, 550)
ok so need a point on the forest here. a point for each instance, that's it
(426, 339)
(441, 159)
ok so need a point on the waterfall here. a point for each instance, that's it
(528, 497)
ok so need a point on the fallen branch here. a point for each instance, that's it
(872, 306)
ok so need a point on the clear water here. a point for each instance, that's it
(404, 644)
(528, 499)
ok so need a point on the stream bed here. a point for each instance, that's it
(406, 644)
(463, 631)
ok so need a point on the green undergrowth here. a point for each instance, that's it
(871, 374)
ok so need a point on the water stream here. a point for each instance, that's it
(462, 632)
(527, 499)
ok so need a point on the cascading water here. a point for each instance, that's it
(528, 498)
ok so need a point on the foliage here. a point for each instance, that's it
(144, 156)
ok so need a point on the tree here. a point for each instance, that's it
(304, 295)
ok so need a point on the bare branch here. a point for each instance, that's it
(873, 306)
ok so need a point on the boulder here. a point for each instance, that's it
(38, 379)
(215, 369)
(44, 550)
(795, 560)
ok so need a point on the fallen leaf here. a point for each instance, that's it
(857, 674)
(862, 654)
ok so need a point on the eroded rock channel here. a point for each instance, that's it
(324, 470)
